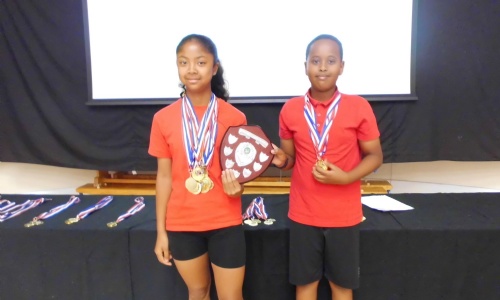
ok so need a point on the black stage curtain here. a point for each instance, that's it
(43, 91)
(446, 248)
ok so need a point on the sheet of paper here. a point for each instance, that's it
(384, 203)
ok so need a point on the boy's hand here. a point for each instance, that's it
(279, 156)
(333, 175)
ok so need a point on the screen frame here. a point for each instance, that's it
(412, 96)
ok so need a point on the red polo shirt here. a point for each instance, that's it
(186, 211)
(314, 203)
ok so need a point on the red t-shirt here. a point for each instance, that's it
(186, 211)
(314, 203)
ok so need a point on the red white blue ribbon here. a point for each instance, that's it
(103, 202)
(15, 210)
(256, 210)
(259, 209)
(72, 200)
(5, 205)
(199, 137)
(320, 138)
(137, 207)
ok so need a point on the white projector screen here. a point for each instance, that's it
(131, 47)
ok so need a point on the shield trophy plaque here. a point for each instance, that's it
(247, 150)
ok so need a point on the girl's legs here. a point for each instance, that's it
(229, 282)
(196, 274)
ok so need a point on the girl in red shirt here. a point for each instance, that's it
(198, 207)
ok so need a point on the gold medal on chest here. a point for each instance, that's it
(321, 163)
(198, 173)
(193, 186)
(207, 184)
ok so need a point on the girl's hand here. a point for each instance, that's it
(162, 250)
(231, 186)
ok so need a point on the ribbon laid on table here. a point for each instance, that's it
(320, 139)
(256, 213)
(137, 207)
(38, 219)
(15, 210)
(5, 205)
(83, 214)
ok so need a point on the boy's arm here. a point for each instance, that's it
(284, 157)
(372, 159)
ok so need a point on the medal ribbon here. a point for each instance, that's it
(199, 137)
(5, 205)
(249, 212)
(259, 208)
(72, 200)
(256, 210)
(18, 209)
(320, 140)
(137, 207)
(103, 202)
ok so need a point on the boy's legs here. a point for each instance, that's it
(306, 259)
(342, 261)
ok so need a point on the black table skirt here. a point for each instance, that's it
(448, 247)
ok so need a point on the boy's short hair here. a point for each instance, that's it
(325, 37)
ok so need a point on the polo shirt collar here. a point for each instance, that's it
(315, 102)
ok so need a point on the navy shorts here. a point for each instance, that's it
(225, 246)
(318, 251)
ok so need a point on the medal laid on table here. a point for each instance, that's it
(137, 207)
(199, 143)
(320, 139)
(38, 220)
(11, 209)
(83, 214)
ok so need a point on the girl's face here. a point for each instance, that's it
(324, 65)
(196, 67)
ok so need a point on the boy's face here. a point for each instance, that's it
(324, 65)
(195, 66)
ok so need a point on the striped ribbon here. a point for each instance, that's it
(199, 137)
(18, 209)
(320, 139)
(137, 207)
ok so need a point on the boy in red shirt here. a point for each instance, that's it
(198, 207)
(331, 140)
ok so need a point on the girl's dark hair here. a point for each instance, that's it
(325, 37)
(218, 84)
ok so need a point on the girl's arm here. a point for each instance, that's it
(163, 190)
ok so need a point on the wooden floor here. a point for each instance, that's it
(116, 183)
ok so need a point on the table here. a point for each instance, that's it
(446, 248)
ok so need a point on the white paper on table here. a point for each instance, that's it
(384, 203)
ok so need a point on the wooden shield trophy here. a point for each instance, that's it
(247, 150)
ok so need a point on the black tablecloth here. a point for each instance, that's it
(448, 247)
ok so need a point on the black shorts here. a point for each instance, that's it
(317, 251)
(225, 246)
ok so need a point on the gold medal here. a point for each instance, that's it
(207, 184)
(193, 186)
(198, 173)
(71, 221)
(33, 223)
(29, 224)
(112, 224)
(321, 163)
